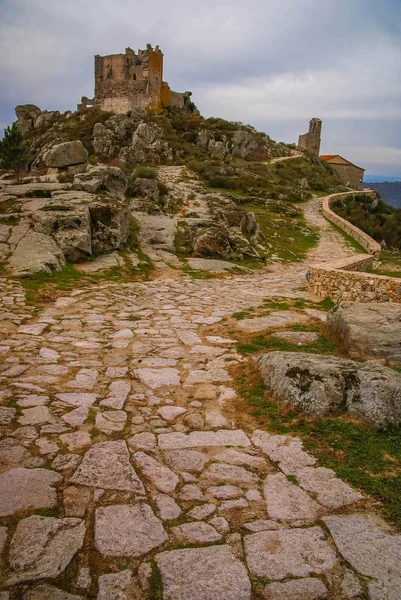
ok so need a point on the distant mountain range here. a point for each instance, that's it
(380, 178)
(390, 191)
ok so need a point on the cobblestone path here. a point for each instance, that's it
(124, 474)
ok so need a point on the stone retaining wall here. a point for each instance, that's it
(345, 284)
(345, 279)
(368, 243)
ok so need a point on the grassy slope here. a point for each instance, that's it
(369, 459)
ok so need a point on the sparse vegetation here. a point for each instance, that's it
(376, 218)
(144, 173)
(369, 459)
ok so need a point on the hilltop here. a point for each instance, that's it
(237, 196)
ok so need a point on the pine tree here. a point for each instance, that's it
(13, 150)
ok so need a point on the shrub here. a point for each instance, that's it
(376, 218)
(144, 173)
(13, 150)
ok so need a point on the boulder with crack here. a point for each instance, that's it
(82, 223)
(36, 253)
(66, 154)
(101, 178)
(326, 385)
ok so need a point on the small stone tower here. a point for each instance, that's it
(311, 141)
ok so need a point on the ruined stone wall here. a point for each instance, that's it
(130, 80)
(123, 96)
(311, 141)
(347, 283)
(368, 243)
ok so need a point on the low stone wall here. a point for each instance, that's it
(343, 280)
(368, 243)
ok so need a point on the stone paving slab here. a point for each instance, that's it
(203, 574)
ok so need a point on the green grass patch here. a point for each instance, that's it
(242, 314)
(46, 512)
(198, 273)
(62, 280)
(322, 345)
(276, 304)
(369, 459)
(396, 274)
(391, 257)
(349, 240)
(156, 584)
(289, 238)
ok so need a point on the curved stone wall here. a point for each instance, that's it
(368, 243)
(346, 279)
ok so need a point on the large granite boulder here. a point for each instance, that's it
(371, 330)
(66, 154)
(45, 118)
(224, 230)
(36, 252)
(27, 111)
(26, 115)
(101, 178)
(84, 223)
(323, 385)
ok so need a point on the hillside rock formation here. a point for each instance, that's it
(54, 223)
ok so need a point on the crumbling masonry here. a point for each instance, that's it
(311, 141)
(131, 80)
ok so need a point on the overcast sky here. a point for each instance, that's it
(272, 63)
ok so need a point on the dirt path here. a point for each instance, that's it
(118, 398)
(331, 244)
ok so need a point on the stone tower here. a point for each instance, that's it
(131, 80)
(311, 141)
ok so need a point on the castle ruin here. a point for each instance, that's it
(131, 80)
(311, 141)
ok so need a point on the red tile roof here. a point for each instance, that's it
(328, 156)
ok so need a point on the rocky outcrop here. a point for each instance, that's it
(241, 143)
(36, 253)
(26, 115)
(326, 385)
(66, 154)
(245, 145)
(82, 223)
(368, 330)
(60, 223)
(110, 137)
(147, 196)
(226, 231)
(147, 146)
(101, 178)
